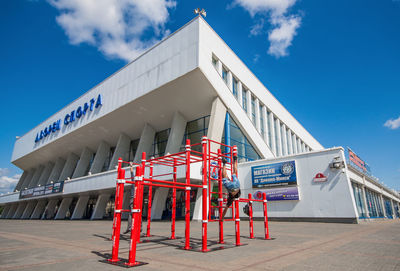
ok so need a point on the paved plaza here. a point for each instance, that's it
(81, 245)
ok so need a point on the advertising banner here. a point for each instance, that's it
(42, 190)
(278, 174)
(356, 160)
(275, 194)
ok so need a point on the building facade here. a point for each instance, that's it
(189, 85)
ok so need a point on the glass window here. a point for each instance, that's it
(253, 109)
(235, 87)
(108, 159)
(214, 62)
(90, 164)
(261, 121)
(195, 130)
(358, 197)
(388, 207)
(225, 75)
(244, 99)
(374, 204)
(246, 152)
(160, 142)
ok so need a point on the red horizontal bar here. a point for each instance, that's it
(169, 182)
(163, 185)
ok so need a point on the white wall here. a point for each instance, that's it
(168, 60)
(331, 199)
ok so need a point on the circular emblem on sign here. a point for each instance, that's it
(287, 168)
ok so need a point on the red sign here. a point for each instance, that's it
(357, 160)
(320, 177)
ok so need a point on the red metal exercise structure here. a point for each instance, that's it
(185, 158)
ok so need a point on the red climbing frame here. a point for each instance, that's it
(209, 160)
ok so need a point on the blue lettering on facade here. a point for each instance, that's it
(52, 128)
(78, 113)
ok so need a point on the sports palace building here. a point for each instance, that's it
(189, 85)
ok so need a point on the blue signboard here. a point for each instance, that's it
(285, 193)
(42, 190)
(283, 173)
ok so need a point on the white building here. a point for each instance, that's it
(189, 85)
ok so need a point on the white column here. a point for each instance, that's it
(21, 181)
(393, 213)
(100, 207)
(36, 176)
(257, 110)
(20, 210)
(80, 207)
(160, 196)
(248, 93)
(63, 208)
(83, 163)
(229, 80)
(266, 128)
(28, 178)
(5, 211)
(44, 177)
(100, 157)
(176, 134)
(284, 137)
(145, 142)
(303, 147)
(121, 149)
(178, 126)
(29, 209)
(299, 145)
(290, 141)
(294, 144)
(12, 211)
(39, 209)
(69, 167)
(50, 209)
(217, 120)
(272, 126)
(240, 93)
(365, 201)
(278, 136)
(55, 173)
(219, 67)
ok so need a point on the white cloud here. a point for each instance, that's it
(257, 28)
(7, 184)
(281, 37)
(284, 26)
(393, 123)
(118, 28)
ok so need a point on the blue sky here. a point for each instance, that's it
(335, 65)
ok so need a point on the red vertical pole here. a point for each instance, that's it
(205, 194)
(119, 194)
(141, 189)
(173, 203)
(149, 202)
(220, 199)
(237, 222)
(187, 196)
(266, 229)
(135, 220)
(251, 218)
